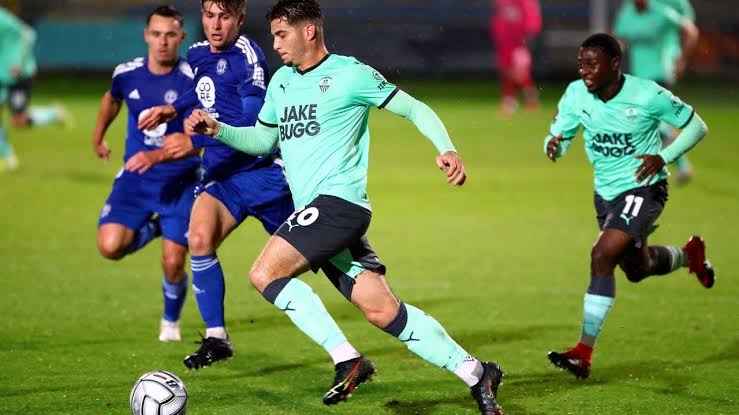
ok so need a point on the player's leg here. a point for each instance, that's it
(25, 115)
(174, 289)
(210, 223)
(309, 237)
(426, 337)
(599, 298)
(273, 275)
(175, 218)
(113, 239)
(18, 97)
(8, 159)
(126, 224)
(522, 63)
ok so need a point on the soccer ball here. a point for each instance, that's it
(158, 393)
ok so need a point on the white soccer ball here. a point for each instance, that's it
(158, 393)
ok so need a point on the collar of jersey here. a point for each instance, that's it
(621, 83)
(312, 67)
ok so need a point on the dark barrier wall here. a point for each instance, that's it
(401, 37)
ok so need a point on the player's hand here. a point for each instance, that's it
(553, 148)
(177, 145)
(651, 164)
(101, 150)
(199, 122)
(156, 116)
(142, 161)
(451, 164)
(15, 72)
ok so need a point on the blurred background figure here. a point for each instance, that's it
(512, 25)
(660, 36)
(17, 53)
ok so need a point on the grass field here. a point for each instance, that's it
(503, 263)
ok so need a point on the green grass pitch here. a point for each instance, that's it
(502, 262)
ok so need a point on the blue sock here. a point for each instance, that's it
(425, 337)
(306, 311)
(174, 298)
(146, 234)
(210, 289)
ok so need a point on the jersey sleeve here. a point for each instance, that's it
(370, 88)
(254, 83)
(620, 28)
(116, 86)
(667, 107)
(566, 122)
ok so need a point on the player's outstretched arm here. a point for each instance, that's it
(259, 140)
(109, 109)
(431, 126)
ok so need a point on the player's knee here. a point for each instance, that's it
(634, 273)
(200, 242)
(601, 260)
(111, 246)
(173, 266)
(259, 277)
(380, 315)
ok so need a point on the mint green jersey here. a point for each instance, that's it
(16, 47)
(619, 130)
(322, 116)
(673, 40)
(648, 35)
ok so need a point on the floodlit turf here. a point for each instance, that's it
(502, 263)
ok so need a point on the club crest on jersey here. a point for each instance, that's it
(221, 66)
(170, 96)
(325, 83)
(631, 113)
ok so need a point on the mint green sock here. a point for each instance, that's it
(425, 337)
(5, 149)
(306, 311)
(682, 163)
(44, 115)
(595, 310)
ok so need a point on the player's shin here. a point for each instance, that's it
(209, 288)
(596, 305)
(425, 337)
(307, 312)
(174, 298)
(666, 259)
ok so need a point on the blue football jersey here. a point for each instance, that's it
(230, 85)
(141, 89)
